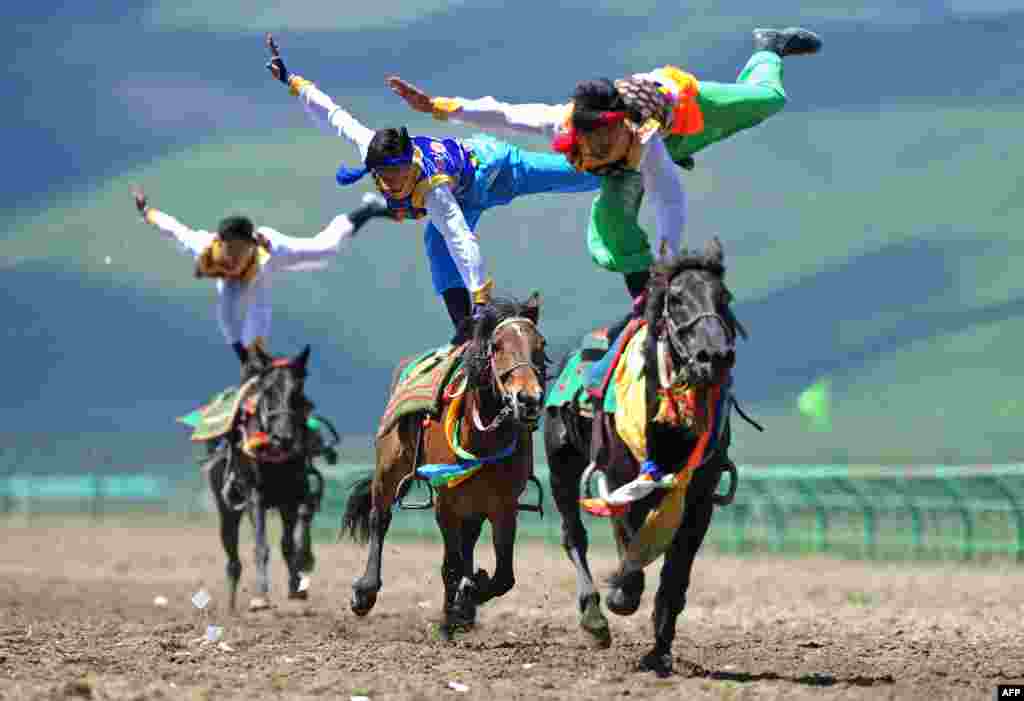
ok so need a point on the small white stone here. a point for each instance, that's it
(107, 260)
(160, 601)
(201, 599)
(456, 686)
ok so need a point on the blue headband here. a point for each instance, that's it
(348, 176)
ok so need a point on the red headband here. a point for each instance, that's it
(564, 143)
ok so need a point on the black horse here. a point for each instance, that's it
(689, 317)
(267, 463)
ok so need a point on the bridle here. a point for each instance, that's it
(257, 407)
(510, 402)
(676, 331)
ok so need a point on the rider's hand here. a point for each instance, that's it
(413, 96)
(140, 199)
(276, 64)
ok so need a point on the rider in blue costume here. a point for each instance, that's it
(449, 181)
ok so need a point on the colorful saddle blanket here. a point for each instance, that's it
(570, 388)
(419, 382)
(215, 418)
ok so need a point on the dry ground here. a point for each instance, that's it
(77, 619)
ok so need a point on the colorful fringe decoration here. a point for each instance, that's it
(467, 465)
(662, 523)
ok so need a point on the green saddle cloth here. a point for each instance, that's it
(570, 386)
(215, 418)
(419, 383)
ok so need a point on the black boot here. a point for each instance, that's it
(793, 41)
(460, 311)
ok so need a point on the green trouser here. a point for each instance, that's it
(614, 236)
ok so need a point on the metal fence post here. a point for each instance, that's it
(1018, 516)
(967, 542)
(820, 516)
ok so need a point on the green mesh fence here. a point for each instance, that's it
(867, 512)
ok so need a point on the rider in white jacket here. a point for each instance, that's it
(244, 262)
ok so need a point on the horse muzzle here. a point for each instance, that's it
(526, 408)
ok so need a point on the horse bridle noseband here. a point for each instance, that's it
(508, 408)
(676, 330)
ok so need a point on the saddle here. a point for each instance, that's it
(419, 384)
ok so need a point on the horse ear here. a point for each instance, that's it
(713, 251)
(303, 357)
(532, 310)
(258, 355)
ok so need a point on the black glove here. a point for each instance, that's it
(240, 351)
(373, 206)
(276, 60)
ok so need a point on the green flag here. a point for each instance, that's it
(814, 403)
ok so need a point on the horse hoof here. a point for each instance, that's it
(363, 602)
(594, 622)
(623, 603)
(659, 663)
(300, 595)
(258, 603)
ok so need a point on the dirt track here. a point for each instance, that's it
(77, 618)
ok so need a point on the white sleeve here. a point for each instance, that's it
(189, 241)
(258, 312)
(487, 113)
(332, 118)
(446, 214)
(664, 187)
(228, 294)
(291, 253)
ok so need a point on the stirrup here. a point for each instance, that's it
(734, 478)
(537, 508)
(417, 506)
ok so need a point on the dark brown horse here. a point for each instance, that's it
(688, 316)
(500, 407)
(264, 464)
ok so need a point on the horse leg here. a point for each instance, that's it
(670, 599)
(471, 528)
(626, 592)
(566, 468)
(291, 550)
(261, 553)
(503, 525)
(230, 521)
(371, 505)
(453, 573)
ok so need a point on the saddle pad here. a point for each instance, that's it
(419, 383)
(570, 386)
(215, 418)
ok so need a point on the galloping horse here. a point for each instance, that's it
(501, 396)
(264, 464)
(690, 329)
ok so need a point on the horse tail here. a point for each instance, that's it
(356, 519)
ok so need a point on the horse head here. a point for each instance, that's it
(507, 352)
(689, 306)
(274, 427)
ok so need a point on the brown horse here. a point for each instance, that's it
(501, 405)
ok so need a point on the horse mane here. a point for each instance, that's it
(477, 358)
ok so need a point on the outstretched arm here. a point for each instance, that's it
(664, 190)
(291, 253)
(485, 113)
(189, 241)
(318, 105)
(447, 216)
